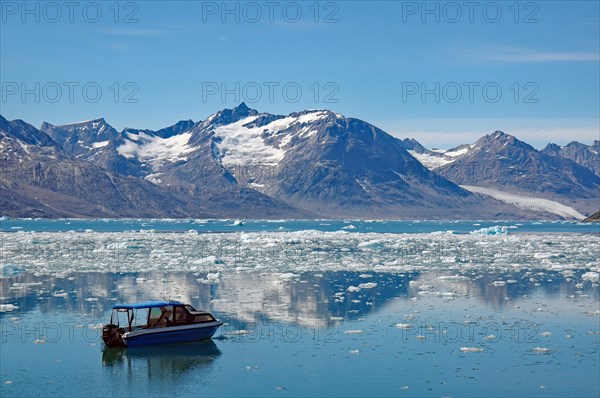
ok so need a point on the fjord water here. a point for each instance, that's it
(201, 225)
(309, 309)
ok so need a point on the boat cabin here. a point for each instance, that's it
(157, 314)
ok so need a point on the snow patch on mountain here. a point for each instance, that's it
(434, 158)
(428, 160)
(241, 145)
(459, 152)
(156, 150)
(527, 202)
(100, 144)
(154, 178)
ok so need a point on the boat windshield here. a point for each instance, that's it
(160, 316)
(140, 317)
(120, 317)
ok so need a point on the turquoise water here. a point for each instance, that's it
(379, 226)
(359, 321)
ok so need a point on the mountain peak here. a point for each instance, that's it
(500, 134)
(243, 110)
(93, 122)
(227, 116)
(576, 144)
(25, 132)
(3, 121)
(414, 145)
(242, 107)
(551, 148)
(499, 140)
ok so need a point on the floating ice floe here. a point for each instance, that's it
(240, 332)
(471, 349)
(541, 350)
(591, 276)
(8, 307)
(368, 285)
(356, 331)
(213, 276)
(495, 230)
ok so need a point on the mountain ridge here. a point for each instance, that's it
(504, 164)
(311, 163)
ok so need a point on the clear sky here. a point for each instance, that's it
(442, 72)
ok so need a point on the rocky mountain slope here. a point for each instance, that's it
(243, 163)
(503, 164)
(593, 218)
(585, 155)
(39, 180)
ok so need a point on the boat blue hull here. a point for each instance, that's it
(172, 336)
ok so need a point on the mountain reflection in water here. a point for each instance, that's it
(306, 298)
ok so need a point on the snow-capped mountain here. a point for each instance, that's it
(505, 165)
(317, 160)
(585, 155)
(315, 163)
(39, 179)
(97, 141)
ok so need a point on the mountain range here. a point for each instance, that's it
(241, 163)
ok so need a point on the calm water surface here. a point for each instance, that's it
(489, 330)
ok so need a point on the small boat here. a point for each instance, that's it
(157, 322)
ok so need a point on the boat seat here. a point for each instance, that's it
(161, 322)
(164, 319)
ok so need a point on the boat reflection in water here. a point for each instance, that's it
(162, 360)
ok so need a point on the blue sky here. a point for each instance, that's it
(371, 60)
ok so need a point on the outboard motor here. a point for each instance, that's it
(113, 336)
